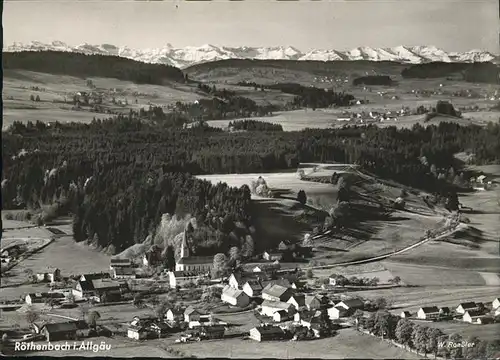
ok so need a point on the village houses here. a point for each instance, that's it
(116, 263)
(235, 297)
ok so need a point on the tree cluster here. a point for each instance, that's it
(254, 125)
(373, 80)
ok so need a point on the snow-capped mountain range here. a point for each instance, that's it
(190, 55)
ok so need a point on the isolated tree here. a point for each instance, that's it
(302, 197)
(234, 253)
(381, 303)
(161, 309)
(358, 316)
(32, 97)
(170, 258)
(92, 318)
(396, 280)
(29, 273)
(309, 274)
(37, 99)
(220, 265)
(404, 332)
(433, 337)
(455, 352)
(31, 315)
(420, 339)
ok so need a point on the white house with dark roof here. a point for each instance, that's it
(405, 315)
(298, 301)
(337, 312)
(263, 333)
(235, 297)
(253, 288)
(192, 314)
(272, 256)
(472, 316)
(282, 315)
(351, 304)
(428, 313)
(462, 308)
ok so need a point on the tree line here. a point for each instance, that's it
(470, 72)
(81, 65)
(424, 339)
(254, 125)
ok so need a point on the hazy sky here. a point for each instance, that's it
(454, 25)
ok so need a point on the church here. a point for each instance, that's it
(193, 263)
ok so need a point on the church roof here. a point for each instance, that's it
(190, 260)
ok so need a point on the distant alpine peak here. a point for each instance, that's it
(191, 55)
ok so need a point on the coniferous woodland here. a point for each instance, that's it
(117, 177)
(80, 65)
(254, 125)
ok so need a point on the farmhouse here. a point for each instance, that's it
(51, 275)
(298, 301)
(405, 315)
(97, 288)
(212, 332)
(239, 278)
(191, 314)
(467, 306)
(337, 312)
(116, 263)
(276, 293)
(272, 256)
(351, 304)
(253, 288)
(268, 308)
(123, 272)
(266, 333)
(40, 298)
(472, 316)
(235, 297)
(137, 332)
(286, 245)
(309, 318)
(428, 313)
(174, 314)
(193, 263)
(152, 257)
(445, 311)
(495, 304)
(95, 276)
(312, 302)
(181, 278)
(281, 315)
(65, 330)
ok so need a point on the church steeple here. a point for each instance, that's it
(184, 246)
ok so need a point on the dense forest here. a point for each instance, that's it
(117, 177)
(254, 125)
(373, 80)
(81, 65)
(471, 72)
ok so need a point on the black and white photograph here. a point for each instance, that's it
(251, 179)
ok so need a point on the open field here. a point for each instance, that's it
(412, 298)
(18, 107)
(482, 332)
(119, 348)
(348, 343)
(423, 275)
(63, 253)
